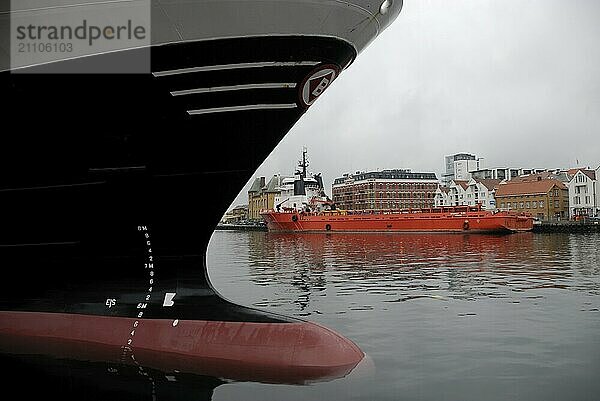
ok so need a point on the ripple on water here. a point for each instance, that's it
(443, 316)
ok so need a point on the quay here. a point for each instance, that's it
(567, 227)
(242, 227)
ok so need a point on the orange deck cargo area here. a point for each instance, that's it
(441, 219)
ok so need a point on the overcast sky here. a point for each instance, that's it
(516, 82)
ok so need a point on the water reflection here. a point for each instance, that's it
(70, 379)
(442, 316)
(403, 267)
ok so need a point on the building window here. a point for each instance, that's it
(502, 204)
(508, 205)
(527, 204)
(541, 203)
(534, 204)
(521, 205)
(556, 204)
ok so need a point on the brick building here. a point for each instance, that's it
(546, 199)
(387, 189)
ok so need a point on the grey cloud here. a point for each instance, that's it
(513, 81)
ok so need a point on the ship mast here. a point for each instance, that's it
(303, 164)
(299, 188)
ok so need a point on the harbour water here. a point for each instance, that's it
(443, 317)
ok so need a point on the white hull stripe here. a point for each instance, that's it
(280, 85)
(244, 107)
(235, 66)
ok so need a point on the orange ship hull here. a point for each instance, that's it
(466, 219)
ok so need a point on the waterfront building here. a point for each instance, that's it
(469, 193)
(236, 215)
(481, 191)
(546, 199)
(557, 174)
(504, 173)
(583, 200)
(458, 167)
(442, 196)
(457, 192)
(597, 192)
(387, 189)
(261, 196)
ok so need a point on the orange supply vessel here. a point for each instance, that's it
(439, 219)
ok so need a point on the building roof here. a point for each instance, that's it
(528, 187)
(405, 174)
(532, 177)
(562, 176)
(256, 185)
(590, 173)
(463, 184)
(274, 184)
(461, 156)
(443, 189)
(488, 182)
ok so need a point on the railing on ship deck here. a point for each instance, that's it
(432, 210)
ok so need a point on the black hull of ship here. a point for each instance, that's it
(111, 188)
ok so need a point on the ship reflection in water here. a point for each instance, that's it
(71, 379)
(461, 266)
(443, 316)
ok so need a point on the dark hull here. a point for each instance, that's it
(111, 189)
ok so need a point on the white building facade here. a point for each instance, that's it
(583, 193)
(442, 196)
(459, 167)
(457, 193)
(463, 168)
(504, 173)
(482, 192)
